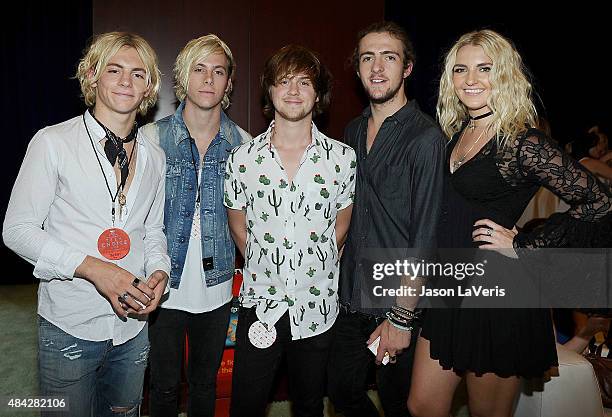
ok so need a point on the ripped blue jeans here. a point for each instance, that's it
(96, 378)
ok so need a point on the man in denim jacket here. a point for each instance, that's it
(197, 140)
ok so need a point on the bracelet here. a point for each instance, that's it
(405, 314)
(399, 322)
(407, 327)
(405, 311)
(399, 317)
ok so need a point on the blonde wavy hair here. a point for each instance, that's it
(510, 98)
(101, 50)
(194, 51)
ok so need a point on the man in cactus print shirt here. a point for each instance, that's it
(289, 196)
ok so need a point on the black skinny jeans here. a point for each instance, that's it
(349, 363)
(207, 333)
(255, 369)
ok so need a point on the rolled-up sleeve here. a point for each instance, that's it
(235, 200)
(28, 208)
(427, 194)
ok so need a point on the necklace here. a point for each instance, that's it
(113, 243)
(122, 198)
(197, 171)
(461, 160)
(472, 124)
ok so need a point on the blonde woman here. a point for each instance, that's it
(496, 163)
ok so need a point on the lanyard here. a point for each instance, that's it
(119, 187)
(195, 167)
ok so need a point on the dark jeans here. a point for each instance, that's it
(349, 363)
(207, 333)
(255, 369)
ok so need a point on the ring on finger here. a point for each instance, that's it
(489, 232)
(123, 297)
(136, 282)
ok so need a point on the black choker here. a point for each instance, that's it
(471, 123)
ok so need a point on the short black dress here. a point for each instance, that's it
(498, 184)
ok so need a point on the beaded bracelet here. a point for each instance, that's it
(406, 329)
(401, 311)
(399, 322)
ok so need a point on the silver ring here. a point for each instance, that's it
(123, 297)
(489, 232)
(135, 282)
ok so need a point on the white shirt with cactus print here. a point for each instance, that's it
(291, 254)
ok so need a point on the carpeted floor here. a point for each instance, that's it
(19, 344)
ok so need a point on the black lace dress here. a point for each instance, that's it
(497, 184)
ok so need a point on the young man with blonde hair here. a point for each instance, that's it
(87, 211)
(197, 140)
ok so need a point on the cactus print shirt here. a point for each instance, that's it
(291, 257)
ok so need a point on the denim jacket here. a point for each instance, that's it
(218, 250)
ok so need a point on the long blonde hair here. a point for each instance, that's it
(510, 98)
(102, 49)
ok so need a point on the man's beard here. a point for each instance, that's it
(388, 95)
(296, 117)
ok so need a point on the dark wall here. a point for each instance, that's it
(567, 53)
(168, 26)
(324, 27)
(41, 45)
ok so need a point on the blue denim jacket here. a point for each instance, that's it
(218, 250)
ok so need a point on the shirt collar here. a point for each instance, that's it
(181, 132)
(407, 111)
(317, 138)
(97, 132)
